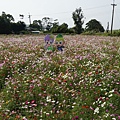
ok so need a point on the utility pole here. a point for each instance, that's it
(107, 30)
(112, 15)
(29, 16)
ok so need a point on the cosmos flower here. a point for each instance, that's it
(96, 110)
(1, 64)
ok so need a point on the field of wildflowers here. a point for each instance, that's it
(81, 83)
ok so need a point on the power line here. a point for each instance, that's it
(96, 7)
(72, 11)
(92, 8)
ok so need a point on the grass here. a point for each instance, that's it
(81, 83)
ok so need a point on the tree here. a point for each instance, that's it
(59, 28)
(5, 23)
(37, 25)
(71, 30)
(55, 26)
(47, 23)
(18, 27)
(63, 28)
(77, 16)
(94, 25)
(7, 17)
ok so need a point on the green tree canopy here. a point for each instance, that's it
(94, 25)
(77, 16)
(18, 27)
(63, 28)
(37, 25)
(5, 23)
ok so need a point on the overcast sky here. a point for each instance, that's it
(62, 10)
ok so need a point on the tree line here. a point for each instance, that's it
(46, 24)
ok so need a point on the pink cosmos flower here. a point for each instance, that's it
(26, 102)
(1, 64)
(33, 101)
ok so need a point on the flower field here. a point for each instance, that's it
(80, 83)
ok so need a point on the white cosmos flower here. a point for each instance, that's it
(65, 76)
(48, 99)
(102, 105)
(110, 95)
(96, 110)
(111, 91)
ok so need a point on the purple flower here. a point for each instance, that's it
(107, 111)
(119, 117)
(75, 118)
